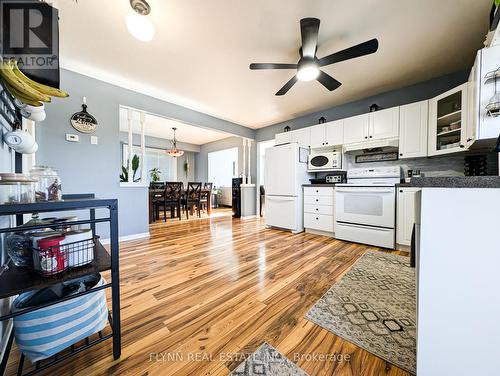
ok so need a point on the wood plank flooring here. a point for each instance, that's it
(200, 294)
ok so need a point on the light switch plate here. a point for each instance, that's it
(72, 137)
(94, 140)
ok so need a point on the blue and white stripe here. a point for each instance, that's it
(46, 331)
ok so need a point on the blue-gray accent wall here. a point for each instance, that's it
(86, 168)
(405, 95)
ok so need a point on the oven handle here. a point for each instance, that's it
(364, 190)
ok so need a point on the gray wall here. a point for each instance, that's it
(95, 168)
(409, 94)
(226, 143)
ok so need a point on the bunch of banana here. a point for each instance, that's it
(24, 88)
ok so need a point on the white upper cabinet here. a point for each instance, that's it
(318, 136)
(448, 121)
(413, 126)
(282, 138)
(384, 124)
(301, 136)
(334, 132)
(356, 128)
(489, 126)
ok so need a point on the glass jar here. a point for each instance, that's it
(16, 189)
(19, 249)
(48, 185)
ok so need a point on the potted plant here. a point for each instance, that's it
(155, 174)
(187, 167)
(135, 167)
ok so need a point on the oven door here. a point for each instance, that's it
(371, 206)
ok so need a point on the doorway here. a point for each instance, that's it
(261, 184)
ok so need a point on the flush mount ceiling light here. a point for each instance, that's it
(138, 24)
(174, 152)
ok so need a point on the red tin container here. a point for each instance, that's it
(49, 258)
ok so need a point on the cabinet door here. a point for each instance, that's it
(489, 126)
(335, 132)
(356, 128)
(384, 124)
(282, 138)
(448, 121)
(413, 125)
(405, 215)
(473, 102)
(301, 136)
(318, 136)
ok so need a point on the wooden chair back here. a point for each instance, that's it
(193, 191)
(173, 191)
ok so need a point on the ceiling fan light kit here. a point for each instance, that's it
(308, 66)
(138, 24)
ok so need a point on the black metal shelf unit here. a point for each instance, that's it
(14, 280)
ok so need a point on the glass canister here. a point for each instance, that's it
(16, 189)
(48, 185)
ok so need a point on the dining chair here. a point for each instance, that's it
(172, 199)
(207, 187)
(156, 195)
(193, 197)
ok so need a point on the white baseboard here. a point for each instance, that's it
(248, 216)
(127, 238)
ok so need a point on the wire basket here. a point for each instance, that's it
(54, 259)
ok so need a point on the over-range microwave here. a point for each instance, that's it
(324, 161)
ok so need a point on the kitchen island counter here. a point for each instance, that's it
(454, 182)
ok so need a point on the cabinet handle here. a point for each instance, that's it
(469, 139)
(401, 191)
(327, 143)
(366, 137)
(400, 155)
(316, 200)
(322, 143)
(462, 146)
(371, 136)
(317, 209)
(317, 218)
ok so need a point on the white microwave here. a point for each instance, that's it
(324, 161)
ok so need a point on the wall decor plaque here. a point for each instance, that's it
(83, 121)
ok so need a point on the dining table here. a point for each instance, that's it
(158, 193)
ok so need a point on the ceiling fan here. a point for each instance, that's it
(308, 66)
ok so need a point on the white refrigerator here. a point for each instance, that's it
(285, 172)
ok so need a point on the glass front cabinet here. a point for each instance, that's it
(448, 122)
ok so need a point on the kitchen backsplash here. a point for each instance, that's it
(446, 165)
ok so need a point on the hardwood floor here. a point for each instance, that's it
(199, 294)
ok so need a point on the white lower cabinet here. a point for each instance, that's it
(405, 215)
(318, 210)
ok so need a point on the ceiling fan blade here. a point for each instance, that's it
(328, 81)
(287, 86)
(309, 28)
(361, 49)
(255, 66)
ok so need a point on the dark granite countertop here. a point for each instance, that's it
(454, 182)
(318, 185)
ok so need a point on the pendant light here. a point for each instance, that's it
(174, 152)
(138, 24)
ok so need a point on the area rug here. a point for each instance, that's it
(267, 361)
(374, 306)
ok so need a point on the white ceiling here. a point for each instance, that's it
(201, 51)
(160, 127)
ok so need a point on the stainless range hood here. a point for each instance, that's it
(388, 144)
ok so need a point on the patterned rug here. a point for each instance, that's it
(374, 307)
(267, 361)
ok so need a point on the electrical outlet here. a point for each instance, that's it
(72, 137)
(94, 140)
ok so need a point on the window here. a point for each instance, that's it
(223, 167)
(155, 158)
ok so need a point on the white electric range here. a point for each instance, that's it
(365, 206)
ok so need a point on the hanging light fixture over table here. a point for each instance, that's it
(174, 152)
